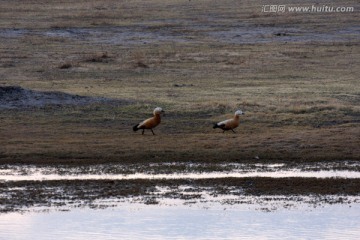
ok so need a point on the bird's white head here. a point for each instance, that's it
(158, 110)
(239, 112)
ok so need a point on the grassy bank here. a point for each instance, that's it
(301, 97)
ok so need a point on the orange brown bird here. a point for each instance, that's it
(230, 124)
(150, 123)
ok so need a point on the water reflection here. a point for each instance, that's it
(185, 222)
(39, 176)
(343, 169)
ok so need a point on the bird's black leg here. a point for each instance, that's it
(143, 132)
(223, 131)
(233, 130)
(152, 131)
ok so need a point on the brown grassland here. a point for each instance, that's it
(301, 98)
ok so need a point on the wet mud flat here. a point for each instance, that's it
(286, 192)
(277, 185)
(25, 187)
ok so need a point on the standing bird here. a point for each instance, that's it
(230, 124)
(150, 123)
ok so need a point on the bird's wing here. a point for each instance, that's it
(144, 123)
(149, 123)
(224, 123)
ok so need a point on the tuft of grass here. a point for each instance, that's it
(99, 58)
(65, 66)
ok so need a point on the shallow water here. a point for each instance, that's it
(194, 171)
(211, 175)
(18, 193)
(185, 222)
(174, 211)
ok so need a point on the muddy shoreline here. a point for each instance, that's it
(23, 195)
(98, 185)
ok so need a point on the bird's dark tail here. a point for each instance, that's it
(135, 128)
(216, 126)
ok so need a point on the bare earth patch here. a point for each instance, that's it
(18, 97)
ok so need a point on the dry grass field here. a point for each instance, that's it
(295, 75)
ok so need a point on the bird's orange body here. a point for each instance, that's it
(150, 123)
(230, 124)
